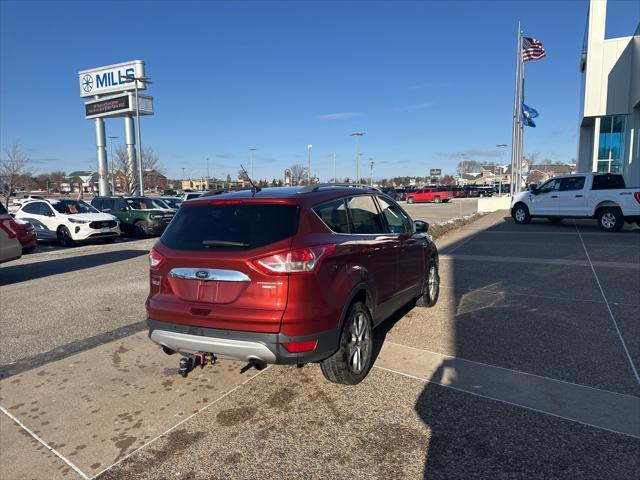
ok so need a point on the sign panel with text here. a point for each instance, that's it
(110, 78)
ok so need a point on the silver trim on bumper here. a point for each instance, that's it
(209, 274)
(221, 347)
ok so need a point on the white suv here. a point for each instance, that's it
(69, 221)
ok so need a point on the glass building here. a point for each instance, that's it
(610, 100)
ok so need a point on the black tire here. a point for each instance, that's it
(342, 367)
(555, 219)
(437, 200)
(610, 219)
(141, 229)
(520, 214)
(410, 200)
(64, 237)
(431, 287)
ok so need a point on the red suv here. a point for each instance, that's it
(287, 276)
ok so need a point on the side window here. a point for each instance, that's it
(45, 209)
(397, 220)
(108, 204)
(118, 205)
(334, 215)
(551, 186)
(97, 203)
(364, 215)
(572, 183)
(32, 207)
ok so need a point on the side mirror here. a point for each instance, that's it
(50, 214)
(124, 209)
(421, 227)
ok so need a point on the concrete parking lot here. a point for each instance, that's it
(526, 368)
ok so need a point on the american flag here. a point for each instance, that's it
(532, 49)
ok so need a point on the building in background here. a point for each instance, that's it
(610, 100)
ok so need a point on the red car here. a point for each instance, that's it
(26, 235)
(433, 194)
(287, 276)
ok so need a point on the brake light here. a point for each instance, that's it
(301, 260)
(155, 259)
(9, 227)
(299, 347)
(636, 195)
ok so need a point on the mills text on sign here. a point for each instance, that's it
(110, 78)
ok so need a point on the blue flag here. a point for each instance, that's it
(528, 114)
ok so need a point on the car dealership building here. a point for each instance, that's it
(610, 100)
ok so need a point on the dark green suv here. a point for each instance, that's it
(139, 216)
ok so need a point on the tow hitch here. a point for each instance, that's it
(257, 364)
(189, 362)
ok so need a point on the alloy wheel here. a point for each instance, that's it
(359, 343)
(608, 220)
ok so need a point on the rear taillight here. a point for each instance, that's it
(636, 195)
(301, 260)
(9, 227)
(155, 259)
(299, 347)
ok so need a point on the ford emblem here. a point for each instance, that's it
(202, 274)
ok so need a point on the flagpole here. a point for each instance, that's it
(515, 143)
(520, 102)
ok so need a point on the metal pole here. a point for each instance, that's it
(140, 173)
(103, 175)
(357, 159)
(514, 128)
(309, 164)
(371, 172)
(130, 142)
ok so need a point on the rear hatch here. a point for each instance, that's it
(206, 276)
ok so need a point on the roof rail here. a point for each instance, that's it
(318, 186)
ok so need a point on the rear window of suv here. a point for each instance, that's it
(230, 227)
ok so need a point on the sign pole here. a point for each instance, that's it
(101, 143)
(140, 172)
(130, 142)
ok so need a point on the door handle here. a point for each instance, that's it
(578, 196)
(554, 196)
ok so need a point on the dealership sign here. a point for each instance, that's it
(110, 79)
(435, 172)
(117, 105)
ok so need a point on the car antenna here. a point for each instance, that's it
(254, 188)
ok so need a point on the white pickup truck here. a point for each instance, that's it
(602, 196)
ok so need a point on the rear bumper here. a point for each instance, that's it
(240, 345)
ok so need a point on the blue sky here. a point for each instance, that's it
(426, 80)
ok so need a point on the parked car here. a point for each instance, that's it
(477, 191)
(10, 247)
(391, 192)
(429, 194)
(69, 221)
(191, 195)
(602, 196)
(26, 235)
(26, 198)
(139, 216)
(287, 276)
(172, 202)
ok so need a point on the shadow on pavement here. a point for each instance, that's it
(472, 436)
(31, 271)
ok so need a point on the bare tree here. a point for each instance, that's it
(536, 177)
(447, 180)
(13, 168)
(297, 174)
(121, 166)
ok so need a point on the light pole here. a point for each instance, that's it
(501, 145)
(309, 147)
(370, 171)
(113, 178)
(251, 150)
(144, 80)
(358, 135)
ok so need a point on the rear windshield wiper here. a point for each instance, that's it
(222, 243)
